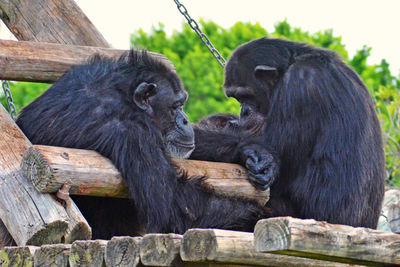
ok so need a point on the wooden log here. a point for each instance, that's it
(123, 251)
(223, 246)
(321, 240)
(88, 253)
(78, 227)
(52, 255)
(45, 62)
(394, 217)
(31, 218)
(17, 256)
(88, 173)
(160, 250)
(52, 21)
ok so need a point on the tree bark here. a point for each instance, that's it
(87, 253)
(52, 255)
(160, 250)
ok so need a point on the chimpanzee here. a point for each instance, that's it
(220, 122)
(319, 127)
(130, 111)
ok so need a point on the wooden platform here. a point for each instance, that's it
(281, 241)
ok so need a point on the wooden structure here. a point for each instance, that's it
(55, 34)
(281, 241)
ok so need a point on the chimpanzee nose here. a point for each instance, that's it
(184, 126)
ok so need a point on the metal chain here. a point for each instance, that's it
(203, 37)
(10, 102)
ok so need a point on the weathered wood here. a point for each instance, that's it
(17, 256)
(88, 253)
(52, 21)
(45, 62)
(391, 196)
(223, 246)
(123, 251)
(52, 255)
(394, 217)
(31, 218)
(160, 250)
(321, 240)
(78, 227)
(88, 173)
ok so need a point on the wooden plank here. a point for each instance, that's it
(52, 21)
(233, 247)
(52, 255)
(321, 240)
(123, 251)
(18, 256)
(88, 173)
(31, 218)
(87, 253)
(45, 62)
(160, 250)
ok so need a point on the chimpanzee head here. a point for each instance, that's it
(254, 70)
(160, 94)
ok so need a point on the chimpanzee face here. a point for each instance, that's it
(163, 100)
(250, 78)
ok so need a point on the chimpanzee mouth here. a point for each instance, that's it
(180, 150)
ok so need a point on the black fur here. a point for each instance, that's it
(92, 107)
(319, 123)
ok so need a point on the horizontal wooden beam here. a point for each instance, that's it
(88, 173)
(46, 62)
(321, 240)
(233, 247)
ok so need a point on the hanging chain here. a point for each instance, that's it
(10, 102)
(203, 37)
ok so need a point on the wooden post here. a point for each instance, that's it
(123, 251)
(87, 253)
(31, 218)
(52, 21)
(78, 227)
(321, 240)
(52, 255)
(88, 173)
(17, 256)
(46, 62)
(160, 250)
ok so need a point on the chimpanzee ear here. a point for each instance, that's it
(266, 73)
(142, 94)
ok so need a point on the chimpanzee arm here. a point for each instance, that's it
(164, 202)
(216, 146)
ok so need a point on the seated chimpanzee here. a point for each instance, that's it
(319, 125)
(130, 110)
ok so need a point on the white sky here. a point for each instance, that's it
(371, 22)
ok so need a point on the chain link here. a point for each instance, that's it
(10, 102)
(203, 37)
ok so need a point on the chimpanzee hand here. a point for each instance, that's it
(261, 164)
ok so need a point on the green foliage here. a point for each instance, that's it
(203, 76)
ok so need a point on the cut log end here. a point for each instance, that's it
(51, 234)
(160, 249)
(271, 235)
(123, 251)
(198, 245)
(37, 169)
